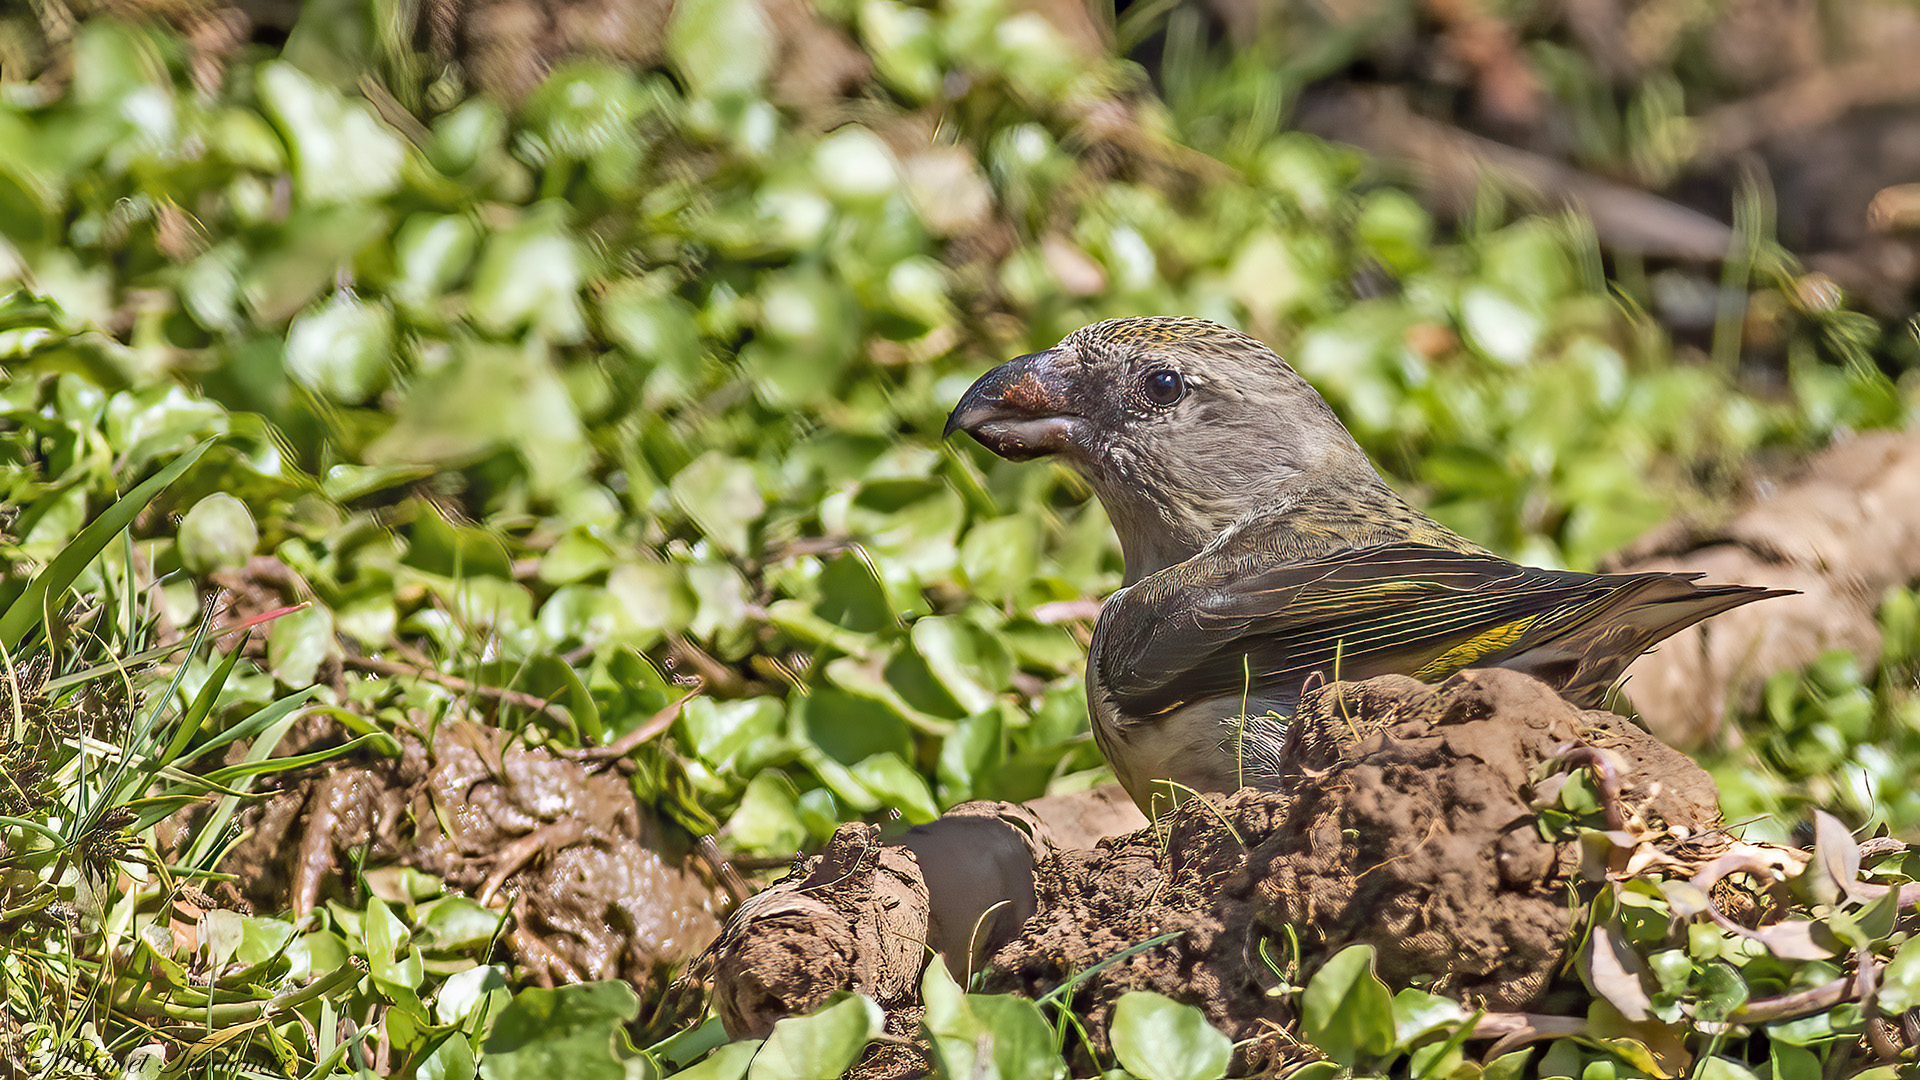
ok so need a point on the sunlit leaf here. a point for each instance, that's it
(1346, 1011)
(1157, 1038)
(573, 1031)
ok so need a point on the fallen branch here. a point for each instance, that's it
(1453, 164)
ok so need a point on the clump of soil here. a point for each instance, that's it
(1409, 824)
(600, 893)
(834, 925)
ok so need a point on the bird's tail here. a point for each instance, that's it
(1591, 655)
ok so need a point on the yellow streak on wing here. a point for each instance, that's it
(1480, 645)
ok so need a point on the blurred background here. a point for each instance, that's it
(581, 364)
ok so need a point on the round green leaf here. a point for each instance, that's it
(341, 151)
(217, 534)
(820, 1046)
(1157, 1038)
(569, 1031)
(297, 643)
(722, 496)
(1023, 1046)
(1346, 1010)
(721, 47)
(342, 350)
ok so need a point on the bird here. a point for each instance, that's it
(1264, 553)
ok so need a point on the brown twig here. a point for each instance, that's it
(554, 835)
(1879, 1032)
(1452, 165)
(1518, 1029)
(535, 953)
(1514, 1030)
(518, 698)
(713, 674)
(1798, 1004)
(654, 726)
(1060, 611)
(1820, 97)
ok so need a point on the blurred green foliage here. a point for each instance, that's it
(1841, 736)
(637, 385)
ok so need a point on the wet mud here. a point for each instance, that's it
(596, 889)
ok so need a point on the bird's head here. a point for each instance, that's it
(1182, 426)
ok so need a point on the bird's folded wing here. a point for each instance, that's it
(1206, 629)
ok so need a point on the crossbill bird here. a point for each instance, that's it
(1264, 553)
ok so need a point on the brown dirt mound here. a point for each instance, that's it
(600, 894)
(1409, 826)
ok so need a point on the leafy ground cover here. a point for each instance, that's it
(549, 415)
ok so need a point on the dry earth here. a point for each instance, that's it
(1410, 825)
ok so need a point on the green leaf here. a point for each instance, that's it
(218, 533)
(1500, 327)
(48, 586)
(970, 663)
(1158, 1038)
(729, 1062)
(575, 1031)
(1793, 1062)
(721, 47)
(385, 936)
(341, 151)
(471, 993)
(1346, 1011)
(451, 1060)
(484, 398)
(852, 594)
(298, 643)
(957, 1037)
(767, 821)
(717, 730)
(530, 277)
(261, 939)
(899, 786)
(1719, 1068)
(1002, 556)
(1510, 1066)
(722, 495)
(456, 922)
(1900, 983)
(1417, 1013)
(342, 349)
(431, 252)
(1023, 1045)
(820, 1046)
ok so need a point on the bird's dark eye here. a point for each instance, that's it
(1164, 386)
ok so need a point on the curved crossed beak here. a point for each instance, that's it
(1021, 409)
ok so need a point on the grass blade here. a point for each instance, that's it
(29, 608)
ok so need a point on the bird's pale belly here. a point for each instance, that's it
(1207, 746)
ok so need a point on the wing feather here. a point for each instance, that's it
(1211, 627)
